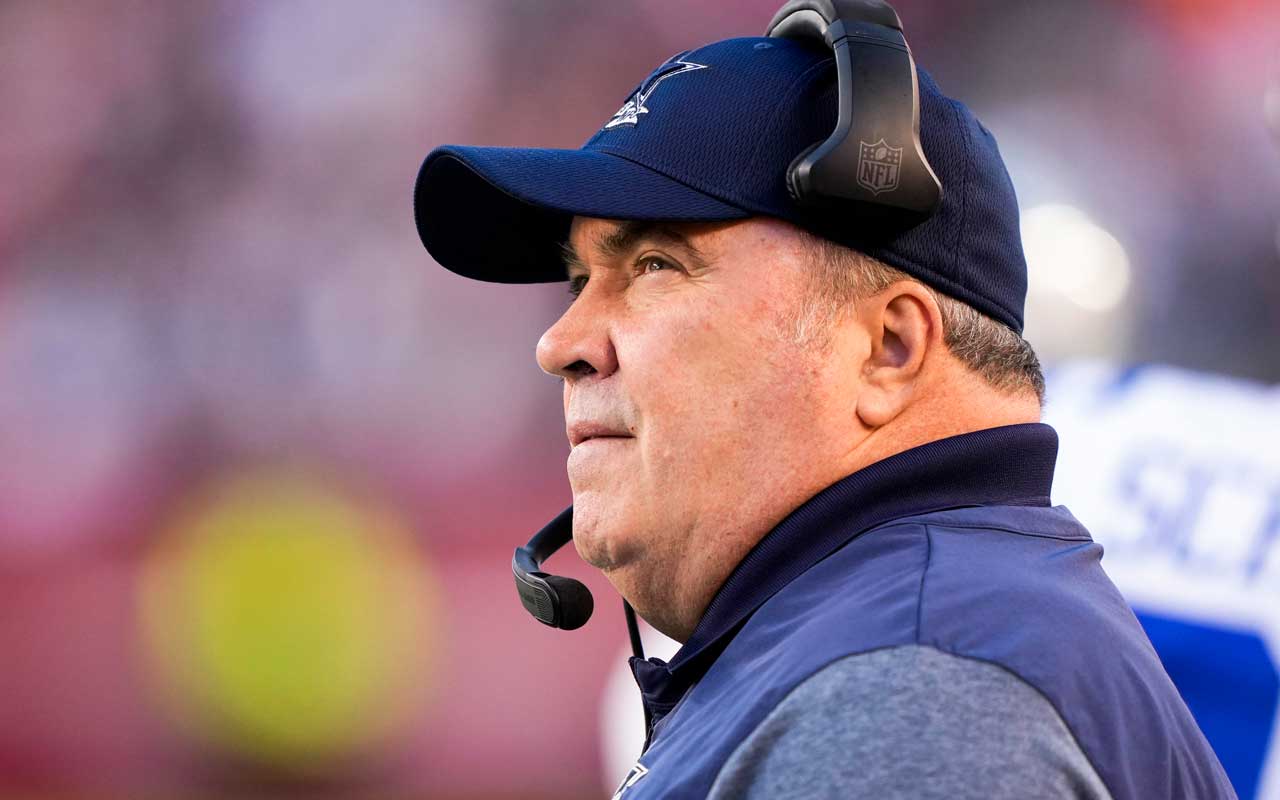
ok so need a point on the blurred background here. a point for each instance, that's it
(263, 464)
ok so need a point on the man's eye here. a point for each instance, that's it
(652, 264)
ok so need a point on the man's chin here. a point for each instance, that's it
(604, 540)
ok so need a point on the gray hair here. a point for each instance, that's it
(841, 275)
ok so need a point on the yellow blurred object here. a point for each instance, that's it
(289, 623)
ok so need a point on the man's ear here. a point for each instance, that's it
(904, 327)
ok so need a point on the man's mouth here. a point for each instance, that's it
(580, 432)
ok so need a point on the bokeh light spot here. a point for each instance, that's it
(288, 623)
(1071, 256)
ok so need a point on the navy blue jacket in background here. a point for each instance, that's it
(952, 545)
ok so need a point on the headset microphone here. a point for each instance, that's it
(555, 600)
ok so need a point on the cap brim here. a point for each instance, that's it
(500, 214)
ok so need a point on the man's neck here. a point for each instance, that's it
(965, 405)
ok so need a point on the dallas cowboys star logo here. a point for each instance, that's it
(631, 110)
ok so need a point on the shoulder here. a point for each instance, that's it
(910, 721)
(1007, 585)
(931, 578)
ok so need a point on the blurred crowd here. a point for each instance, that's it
(218, 327)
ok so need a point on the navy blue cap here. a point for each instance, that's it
(708, 136)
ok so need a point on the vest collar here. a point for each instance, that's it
(1009, 465)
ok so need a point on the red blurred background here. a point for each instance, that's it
(262, 463)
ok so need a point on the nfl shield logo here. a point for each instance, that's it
(878, 167)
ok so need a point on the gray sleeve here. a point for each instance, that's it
(910, 722)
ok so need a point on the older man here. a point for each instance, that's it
(806, 445)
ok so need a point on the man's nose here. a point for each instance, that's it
(578, 344)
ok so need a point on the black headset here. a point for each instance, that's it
(879, 106)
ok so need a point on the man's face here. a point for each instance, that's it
(696, 419)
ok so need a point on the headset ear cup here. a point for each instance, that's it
(796, 178)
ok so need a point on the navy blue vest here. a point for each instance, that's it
(953, 545)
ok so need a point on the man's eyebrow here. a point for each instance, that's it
(622, 239)
(572, 261)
